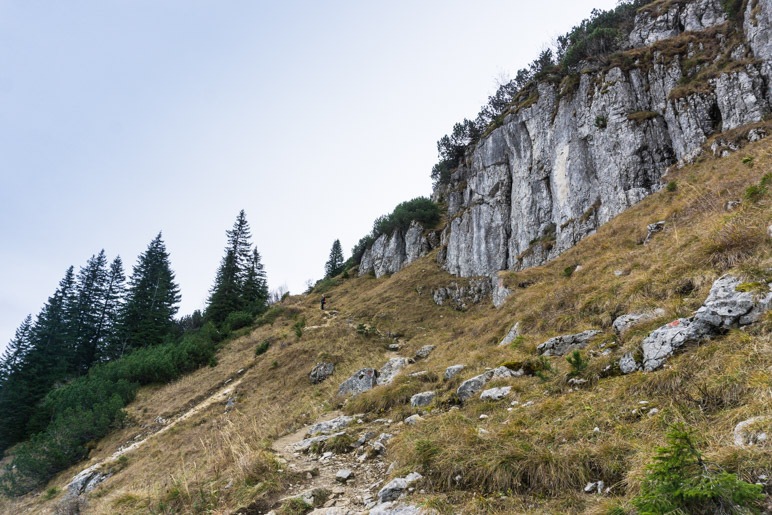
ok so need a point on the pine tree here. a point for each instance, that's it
(147, 316)
(255, 289)
(109, 344)
(16, 350)
(334, 265)
(86, 315)
(240, 283)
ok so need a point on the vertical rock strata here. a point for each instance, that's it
(578, 153)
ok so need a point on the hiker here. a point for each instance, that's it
(324, 299)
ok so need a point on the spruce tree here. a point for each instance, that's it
(255, 289)
(240, 283)
(16, 350)
(334, 265)
(152, 299)
(109, 344)
(86, 311)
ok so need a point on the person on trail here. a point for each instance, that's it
(324, 299)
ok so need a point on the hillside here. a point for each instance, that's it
(536, 450)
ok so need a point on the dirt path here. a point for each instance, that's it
(319, 485)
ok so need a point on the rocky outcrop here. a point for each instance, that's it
(471, 386)
(561, 345)
(361, 381)
(391, 369)
(576, 155)
(390, 253)
(461, 295)
(730, 303)
(320, 372)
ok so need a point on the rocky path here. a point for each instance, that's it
(342, 482)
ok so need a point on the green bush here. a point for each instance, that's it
(577, 362)
(237, 320)
(88, 407)
(671, 186)
(262, 347)
(679, 481)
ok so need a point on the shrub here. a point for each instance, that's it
(577, 362)
(601, 122)
(679, 481)
(298, 326)
(671, 186)
(262, 347)
(237, 320)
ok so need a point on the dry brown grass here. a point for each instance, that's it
(533, 458)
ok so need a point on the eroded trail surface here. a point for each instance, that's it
(339, 463)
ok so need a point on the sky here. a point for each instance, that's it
(123, 118)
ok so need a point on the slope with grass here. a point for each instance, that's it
(536, 450)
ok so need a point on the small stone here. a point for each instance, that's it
(482, 431)
(344, 475)
(596, 429)
(424, 352)
(413, 420)
(422, 399)
(483, 416)
(653, 411)
(495, 394)
(394, 347)
(452, 371)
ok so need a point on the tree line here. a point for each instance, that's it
(67, 373)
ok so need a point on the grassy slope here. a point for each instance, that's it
(533, 458)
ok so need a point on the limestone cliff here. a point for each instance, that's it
(577, 153)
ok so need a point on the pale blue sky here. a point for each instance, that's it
(119, 119)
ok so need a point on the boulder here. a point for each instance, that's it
(453, 371)
(624, 323)
(471, 386)
(320, 372)
(397, 487)
(422, 399)
(511, 335)
(362, 380)
(424, 352)
(413, 419)
(627, 364)
(389, 371)
(85, 481)
(753, 431)
(344, 475)
(330, 426)
(561, 345)
(495, 394)
(394, 508)
(725, 307)
(306, 444)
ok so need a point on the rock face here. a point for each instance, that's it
(624, 323)
(390, 253)
(460, 295)
(561, 345)
(572, 158)
(728, 305)
(321, 372)
(361, 381)
(397, 487)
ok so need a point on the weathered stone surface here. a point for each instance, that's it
(320, 372)
(626, 322)
(511, 335)
(468, 388)
(422, 399)
(330, 426)
(306, 444)
(653, 229)
(390, 253)
(424, 352)
(344, 475)
(754, 431)
(361, 381)
(659, 23)
(393, 508)
(397, 487)
(627, 364)
(461, 295)
(724, 308)
(391, 369)
(85, 481)
(413, 419)
(561, 345)
(453, 371)
(500, 292)
(495, 394)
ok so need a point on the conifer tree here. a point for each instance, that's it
(255, 289)
(334, 265)
(86, 311)
(152, 298)
(16, 350)
(240, 283)
(109, 344)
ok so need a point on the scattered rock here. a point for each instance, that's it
(561, 345)
(627, 364)
(471, 386)
(653, 229)
(424, 352)
(724, 308)
(413, 419)
(595, 487)
(422, 399)
(320, 372)
(397, 487)
(731, 205)
(361, 381)
(393, 508)
(306, 444)
(394, 347)
(85, 481)
(500, 292)
(625, 322)
(495, 394)
(330, 426)
(389, 371)
(453, 371)
(344, 475)
(752, 431)
(511, 335)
